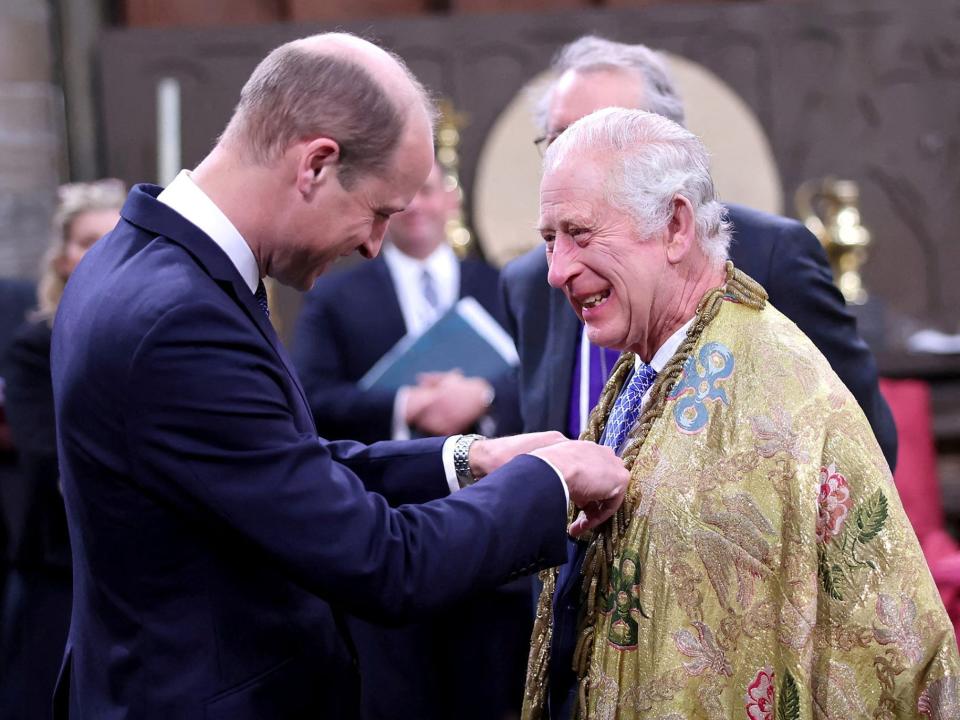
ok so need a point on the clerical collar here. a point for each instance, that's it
(186, 198)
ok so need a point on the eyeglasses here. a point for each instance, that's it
(544, 141)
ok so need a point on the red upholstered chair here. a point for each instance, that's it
(919, 487)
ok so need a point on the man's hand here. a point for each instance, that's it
(447, 403)
(596, 479)
(488, 455)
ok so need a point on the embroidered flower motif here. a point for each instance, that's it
(759, 696)
(940, 700)
(706, 654)
(834, 503)
(901, 630)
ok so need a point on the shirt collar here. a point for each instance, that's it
(437, 262)
(185, 197)
(668, 349)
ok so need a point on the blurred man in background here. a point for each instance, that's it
(467, 662)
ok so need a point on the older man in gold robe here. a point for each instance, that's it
(761, 566)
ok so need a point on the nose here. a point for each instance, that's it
(563, 265)
(371, 247)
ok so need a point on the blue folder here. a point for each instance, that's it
(465, 338)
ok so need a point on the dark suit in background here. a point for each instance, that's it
(780, 254)
(464, 663)
(37, 605)
(216, 540)
(17, 296)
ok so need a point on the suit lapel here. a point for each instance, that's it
(468, 280)
(144, 210)
(389, 316)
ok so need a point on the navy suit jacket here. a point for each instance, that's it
(348, 322)
(215, 538)
(780, 254)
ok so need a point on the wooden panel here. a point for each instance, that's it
(468, 6)
(309, 10)
(646, 3)
(208, 13)
(867, 93)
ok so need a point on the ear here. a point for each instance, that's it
(681, 230)
(317, 163)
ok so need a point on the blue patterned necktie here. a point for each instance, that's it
(626, 408)
(261, 297)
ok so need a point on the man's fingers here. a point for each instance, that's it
(589, 519)
(430, 379)
(596, 513)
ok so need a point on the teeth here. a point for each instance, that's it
(595, 300)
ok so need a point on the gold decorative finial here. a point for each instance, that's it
(448, 155)
(829, 208)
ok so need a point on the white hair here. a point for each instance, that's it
(652, 160)
(591, 53)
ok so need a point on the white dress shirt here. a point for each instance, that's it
(407, 275)
(186, 198)
(662, 356)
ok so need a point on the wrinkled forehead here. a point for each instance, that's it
(578, 185)
(578, 164)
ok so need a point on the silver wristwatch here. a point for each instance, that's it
(461, 459)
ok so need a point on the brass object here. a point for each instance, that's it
(448, 156)
(829, 208)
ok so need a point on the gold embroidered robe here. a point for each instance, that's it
(762, 565)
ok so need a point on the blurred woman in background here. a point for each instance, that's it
(36, 604)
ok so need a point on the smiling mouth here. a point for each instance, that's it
(593, 301)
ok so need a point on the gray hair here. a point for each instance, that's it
(591, 53)
(73, 199)
(653, 160)
(298, 91)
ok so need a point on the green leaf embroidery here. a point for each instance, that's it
(826, 577)
(871, 516)
(788, 700)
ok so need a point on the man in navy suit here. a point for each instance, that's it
(216, 540)
(469, 661)
(781, 254)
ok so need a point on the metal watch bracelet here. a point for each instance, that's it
(461, 459)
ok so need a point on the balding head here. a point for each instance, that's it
(332, 85)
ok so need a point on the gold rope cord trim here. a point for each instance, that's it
(538, 662)
(607, 539)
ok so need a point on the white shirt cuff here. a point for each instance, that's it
(399, 428)
(566, 490)
(446, 454)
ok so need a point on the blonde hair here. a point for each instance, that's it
(73, 199)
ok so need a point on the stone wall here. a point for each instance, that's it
(30, 121)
